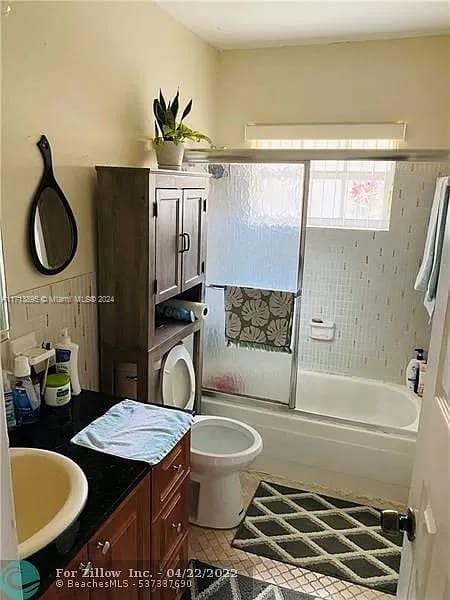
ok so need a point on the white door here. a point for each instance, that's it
(425, 567)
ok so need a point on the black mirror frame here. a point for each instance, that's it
(48, 180)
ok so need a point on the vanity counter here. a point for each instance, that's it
(111, 479)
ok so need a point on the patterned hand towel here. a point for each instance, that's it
(260, 319)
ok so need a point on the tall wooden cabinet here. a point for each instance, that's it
(151, 247)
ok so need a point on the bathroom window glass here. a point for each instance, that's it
(351, 194)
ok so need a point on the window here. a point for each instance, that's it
(351, 194)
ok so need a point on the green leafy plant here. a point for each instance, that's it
(167, 128)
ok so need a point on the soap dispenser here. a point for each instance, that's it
(67, 360)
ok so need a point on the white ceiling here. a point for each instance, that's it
(260, 23)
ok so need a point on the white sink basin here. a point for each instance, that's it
(49, 492)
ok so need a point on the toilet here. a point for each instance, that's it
(220, 448)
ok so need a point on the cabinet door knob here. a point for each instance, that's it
(104, 546)
(177, 468)
(178, 526)
(85, 569)
(181, 243)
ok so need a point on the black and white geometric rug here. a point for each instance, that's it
(323, 534)
(211, 583)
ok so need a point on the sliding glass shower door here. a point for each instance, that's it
(254, 239)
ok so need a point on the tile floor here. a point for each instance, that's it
(214, 547)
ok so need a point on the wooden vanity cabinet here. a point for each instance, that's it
(77, 564)
(148, 531)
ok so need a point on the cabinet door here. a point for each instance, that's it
(72, 589)
(123, 543)
(194, 207)
(168, 243)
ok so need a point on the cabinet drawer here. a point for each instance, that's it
(173, 584)
(169, 473)
(171, 526)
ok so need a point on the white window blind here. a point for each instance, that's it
(351, 194)
(326, 135)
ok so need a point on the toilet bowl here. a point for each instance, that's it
(220, 449)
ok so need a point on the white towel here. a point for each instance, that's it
(428, 275)
(136, 431)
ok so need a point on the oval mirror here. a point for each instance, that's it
(52, 230)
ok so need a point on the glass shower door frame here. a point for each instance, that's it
(292, 401)
(303, 206)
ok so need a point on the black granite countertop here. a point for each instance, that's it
(110, 478)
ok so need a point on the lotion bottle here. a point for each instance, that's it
(412, 370)
(67, 360)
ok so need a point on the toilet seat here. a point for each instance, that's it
(223, 438)
(178, 378)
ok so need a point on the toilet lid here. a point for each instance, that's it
(178, 378)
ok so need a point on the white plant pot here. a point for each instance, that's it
(169, 155)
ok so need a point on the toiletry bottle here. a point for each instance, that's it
(412, 370)
(11, 421)
(26, 401)
(67, 360)
(421, 377)
(420, 360)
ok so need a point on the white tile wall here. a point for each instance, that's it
(47, 320)
(364, 281)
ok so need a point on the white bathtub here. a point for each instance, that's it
(365, 401)
(351, 434)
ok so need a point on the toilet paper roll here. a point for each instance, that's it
(200, 309)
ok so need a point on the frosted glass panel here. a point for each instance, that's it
(254, 225)
(254, 222)
(241, 370)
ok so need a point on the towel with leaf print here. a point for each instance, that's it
(259, 319)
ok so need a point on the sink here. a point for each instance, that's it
(50, 491)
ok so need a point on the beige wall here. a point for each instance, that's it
(363, 81)
(85, 74)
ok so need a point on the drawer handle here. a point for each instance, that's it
(105, 546)
(178, 526)
(177, 468)
(85, 569)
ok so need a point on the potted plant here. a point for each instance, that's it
(171, 134)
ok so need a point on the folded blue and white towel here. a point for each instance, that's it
(135, 431)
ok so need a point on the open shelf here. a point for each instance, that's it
(172, 332)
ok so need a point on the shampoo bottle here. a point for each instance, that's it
(421, 377)
(412, 370)
(67, 360)
(26, 401)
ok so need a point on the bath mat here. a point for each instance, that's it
(214, 583)
(326, 535)
(259, 319)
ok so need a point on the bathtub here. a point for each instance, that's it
(366, 401)
(347, 434)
